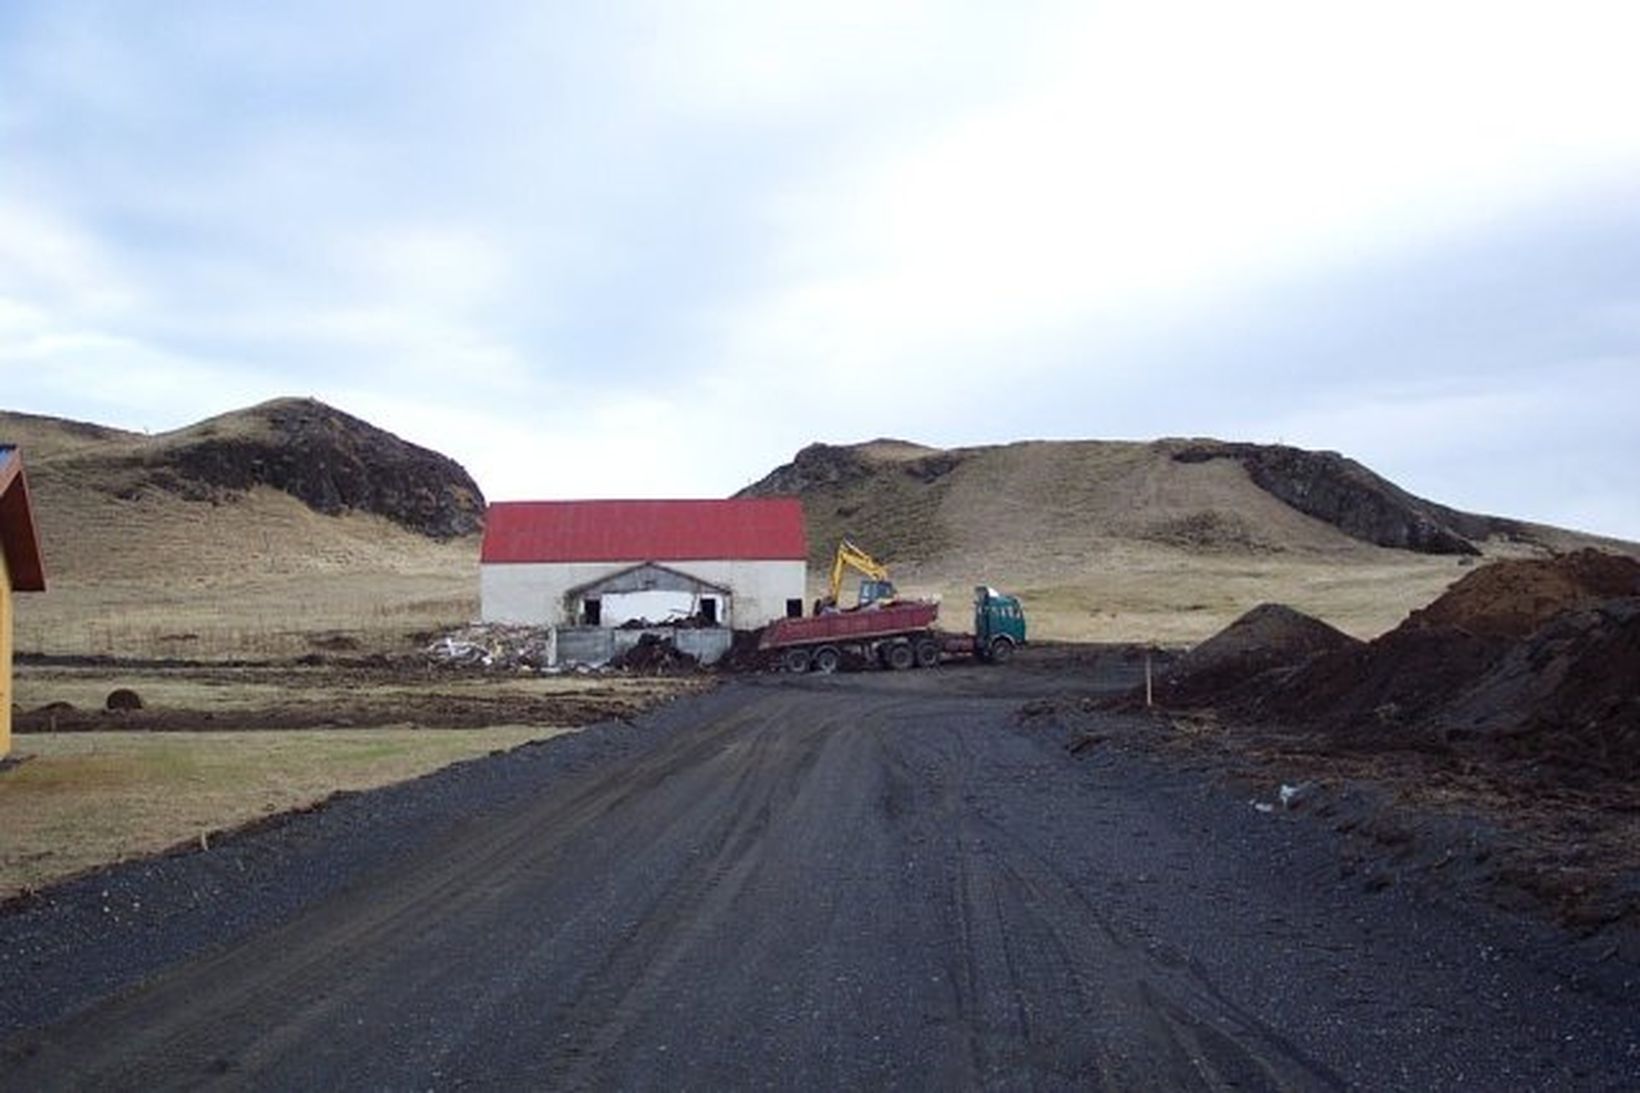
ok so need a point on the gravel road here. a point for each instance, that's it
(883, 880)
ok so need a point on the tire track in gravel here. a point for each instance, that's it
(879, 883)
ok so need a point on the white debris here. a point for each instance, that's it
(1293, 796)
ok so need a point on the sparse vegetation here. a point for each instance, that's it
(78, 800)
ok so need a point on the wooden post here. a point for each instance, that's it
(1147, 677)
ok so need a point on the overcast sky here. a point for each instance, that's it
(625, 248)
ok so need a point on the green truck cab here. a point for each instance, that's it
(999, 624)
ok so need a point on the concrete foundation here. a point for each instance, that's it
(597, 645)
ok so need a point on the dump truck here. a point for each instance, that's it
(899, 634)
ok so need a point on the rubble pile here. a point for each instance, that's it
(655, 655)
(488, 645)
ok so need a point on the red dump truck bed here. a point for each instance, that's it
(851, 626)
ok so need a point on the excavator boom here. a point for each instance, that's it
(875, 586)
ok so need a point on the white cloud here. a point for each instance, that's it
(607, 230)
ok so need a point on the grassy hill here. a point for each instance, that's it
(291, 526)
(265, 531)
(1165, 541)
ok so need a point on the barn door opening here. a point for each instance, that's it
(709, 610)
(592, 612)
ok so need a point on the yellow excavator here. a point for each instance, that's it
(875, 587)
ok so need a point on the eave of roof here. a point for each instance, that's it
(19, 539)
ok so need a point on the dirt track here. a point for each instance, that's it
(849, 882)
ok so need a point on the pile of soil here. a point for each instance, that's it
(1567, 698)
(656, 655)
(1384, 693)
(745, 654)
(1512, 599)
(1272, 637)
(1529, 664)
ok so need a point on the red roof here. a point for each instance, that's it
(18, 538)
(761, 529)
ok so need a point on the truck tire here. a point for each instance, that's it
(928, 652)
(901, 656)
(1002, 650)
(827, 660)
(796, 660)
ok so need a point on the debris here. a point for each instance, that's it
(1292, 797)
(654, 654)
(484, 645)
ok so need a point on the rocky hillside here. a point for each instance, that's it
(916, 503)
(259, 532)
(1163, 541)
(332, 462)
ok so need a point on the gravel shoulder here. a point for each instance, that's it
(872, 880)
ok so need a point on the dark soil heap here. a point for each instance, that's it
(1511, 599)
(1568, 696)
(1535, 663)
(655, 655)
(1270, 638)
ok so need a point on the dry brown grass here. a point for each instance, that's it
(1115, 541)
(80, 800)
(261, 576)
(1149, 593)
(1102, 540)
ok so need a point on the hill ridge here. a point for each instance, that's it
(898, 501)
(329, 460)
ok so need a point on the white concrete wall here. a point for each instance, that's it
(533, 594)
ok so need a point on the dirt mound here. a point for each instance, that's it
(1530, 663)
(1373, 691)
(1566, 697)
(1511, 599)
(654, 654)
(745, 653)
(1270, 636)
(123, 698)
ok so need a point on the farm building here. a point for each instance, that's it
(20, 568)
(733, 564)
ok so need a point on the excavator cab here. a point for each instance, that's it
(875, 587)
(872, 591)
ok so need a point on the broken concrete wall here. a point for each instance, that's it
(597, 645)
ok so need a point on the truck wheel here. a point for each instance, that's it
(827, 660)
(1001, 650)
(900, 656)
(796, 660)
(928, 653)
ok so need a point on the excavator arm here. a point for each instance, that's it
(875, 586)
